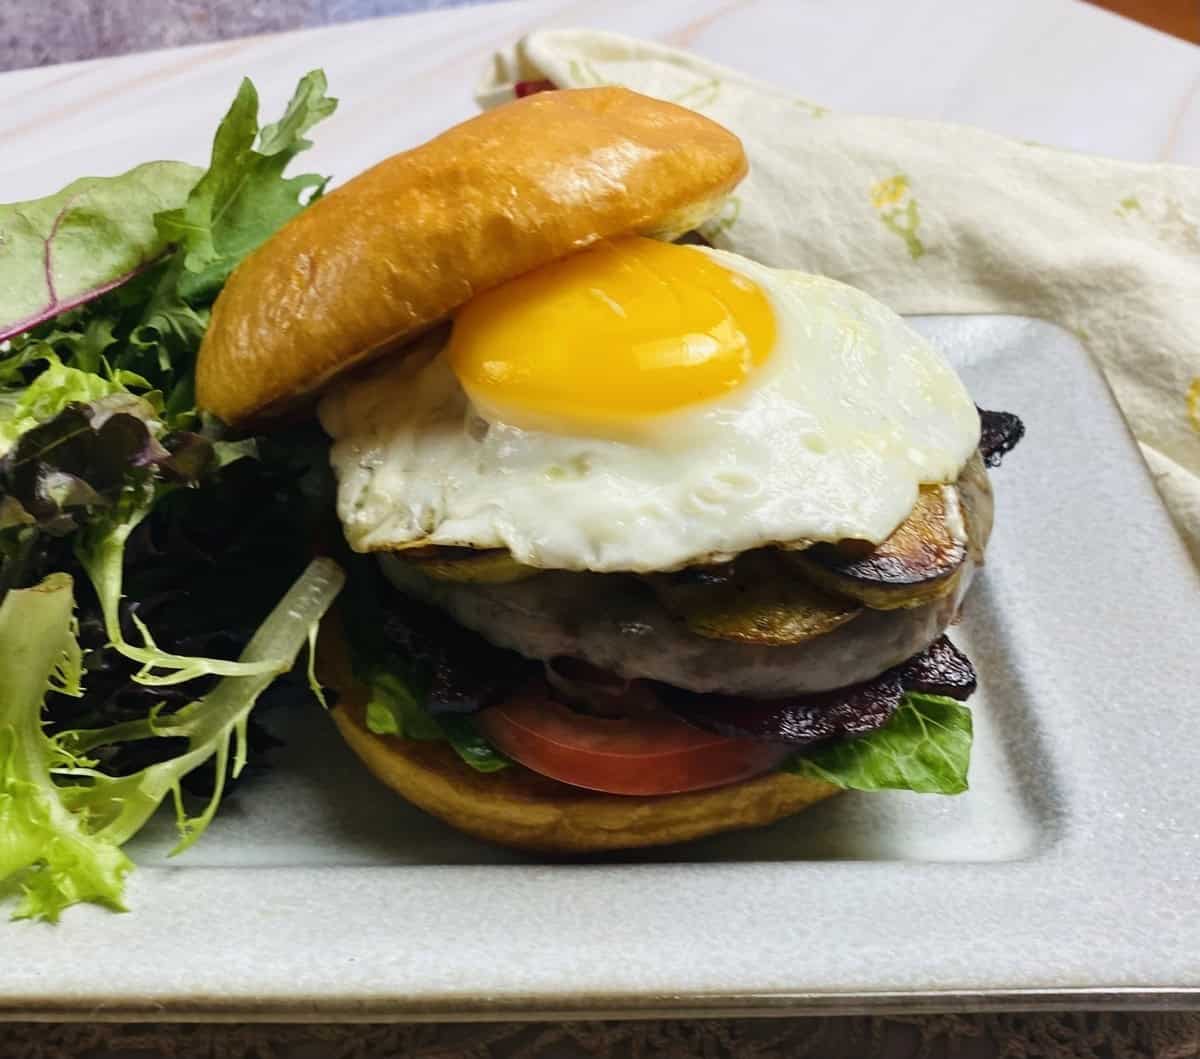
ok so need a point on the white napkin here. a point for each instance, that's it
(938, 218)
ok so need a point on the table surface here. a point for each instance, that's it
(1178, 17)
(1054, 71)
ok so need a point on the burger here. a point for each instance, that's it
(650, 540)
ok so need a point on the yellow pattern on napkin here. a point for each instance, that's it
(1109, 250)
(899, 212)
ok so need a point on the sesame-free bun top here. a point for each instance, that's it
(400, 247)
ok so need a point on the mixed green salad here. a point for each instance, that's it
(157, 579)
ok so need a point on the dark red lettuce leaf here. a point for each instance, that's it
(62, 471)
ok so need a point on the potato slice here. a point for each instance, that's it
(487, 566)
(921, 561)
(757, 599)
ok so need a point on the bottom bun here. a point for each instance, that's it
(519, 808)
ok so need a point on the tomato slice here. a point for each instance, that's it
(647, 755)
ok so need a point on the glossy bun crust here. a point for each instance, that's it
(519, 808)
(397, 249)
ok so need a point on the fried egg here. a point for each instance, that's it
(642, 406)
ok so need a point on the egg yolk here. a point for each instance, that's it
(629, 329)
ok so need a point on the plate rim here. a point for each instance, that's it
(614, 1007)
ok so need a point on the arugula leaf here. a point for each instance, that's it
(66, 249)
(59, 861)
(243, 198)
(925, 747)
(74, 338)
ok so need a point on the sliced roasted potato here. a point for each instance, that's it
(757, 599)
(921, 561)
(487, 566)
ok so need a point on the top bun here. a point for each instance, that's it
(400, 247)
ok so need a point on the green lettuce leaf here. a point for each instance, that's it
(394, 709)
(101, 552)
(96, 472)
(63, 250)
(925, 747)
(202, 570)
(470, 744)
(43, 841)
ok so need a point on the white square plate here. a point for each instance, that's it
(1070, 870)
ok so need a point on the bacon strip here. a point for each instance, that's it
(999, 435)
(855, 710)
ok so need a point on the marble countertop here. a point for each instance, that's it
(33, 33)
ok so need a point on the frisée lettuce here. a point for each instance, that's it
(62, 818)
(38, 652)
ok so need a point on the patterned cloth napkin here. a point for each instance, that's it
(938, 218)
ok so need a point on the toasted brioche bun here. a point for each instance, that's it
(400, 247)
(519, 808)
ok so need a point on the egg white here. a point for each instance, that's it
(829, 439)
